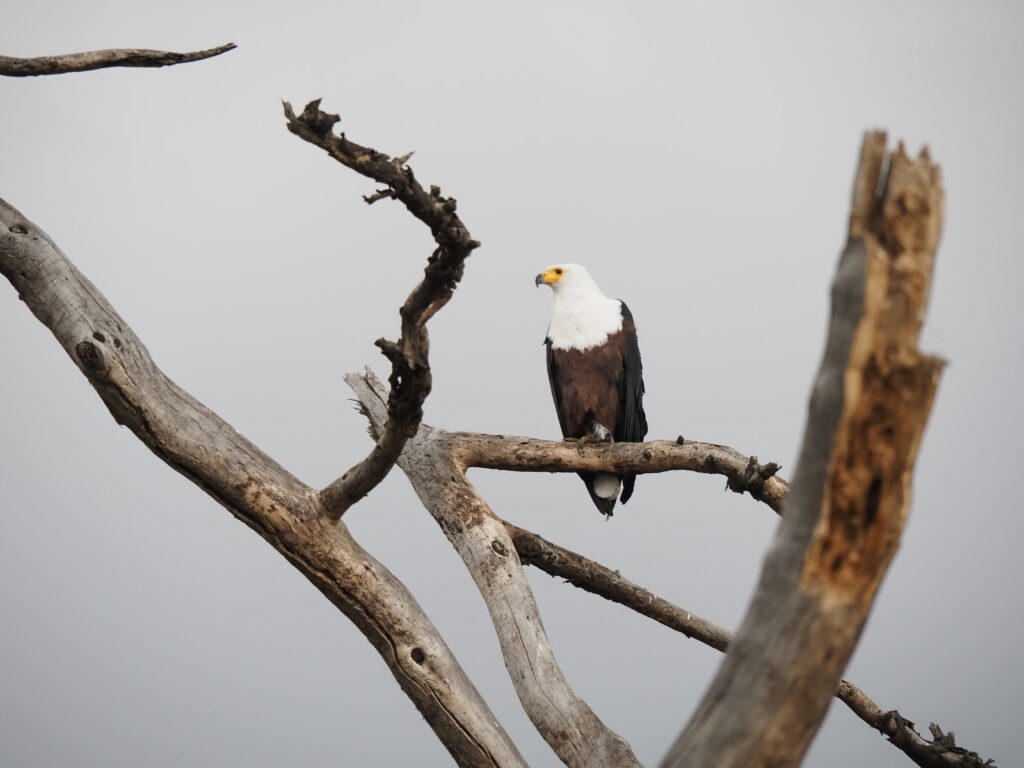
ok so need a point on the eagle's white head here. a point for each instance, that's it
(581, 317)
(567, 278)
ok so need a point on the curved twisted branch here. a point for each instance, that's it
(410, 377)
(114, 57)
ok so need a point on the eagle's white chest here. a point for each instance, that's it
(581, 320)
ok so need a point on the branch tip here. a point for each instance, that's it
(12, 66)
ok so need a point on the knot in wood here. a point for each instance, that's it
(753, 477)
(319, 122)
(90, 355)
(500, 548)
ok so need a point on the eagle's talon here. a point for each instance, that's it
(581, 442)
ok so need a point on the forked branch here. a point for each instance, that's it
(114, 57)
(848, 505)
(570, 727)
(410, 377)
(197, 443)
(527, 454)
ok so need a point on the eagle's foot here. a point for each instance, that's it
(581, 442)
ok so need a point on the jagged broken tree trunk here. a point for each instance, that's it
(851, 490)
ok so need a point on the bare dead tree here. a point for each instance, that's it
(843, 517)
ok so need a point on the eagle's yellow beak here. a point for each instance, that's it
(547, 277)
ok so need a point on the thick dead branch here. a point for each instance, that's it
(410, 377)
(851, 490)
(600, 580)
(572, 729)
(115, 57)
(197, 443)
(526, 454)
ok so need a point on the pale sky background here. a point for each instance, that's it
(696, 156)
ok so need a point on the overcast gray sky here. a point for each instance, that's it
(696, 156)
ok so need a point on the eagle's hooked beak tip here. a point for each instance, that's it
(539, 281)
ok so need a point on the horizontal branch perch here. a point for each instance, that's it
(114, 57)
(527, 454)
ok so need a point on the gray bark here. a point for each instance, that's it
(851, 490)
(526, 454)
(850, 497)
(12, 66)
(565, 721)
(941, 752)
(197, 443)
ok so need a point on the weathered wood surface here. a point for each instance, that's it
(870, 402)
(197, 443)
(12, 66)
(570, 727)
(851, 490)
(526, 454)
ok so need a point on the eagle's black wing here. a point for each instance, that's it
(632, 426)
(556, 394)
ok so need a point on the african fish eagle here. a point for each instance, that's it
(595, 372)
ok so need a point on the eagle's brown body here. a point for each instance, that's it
(595, 372)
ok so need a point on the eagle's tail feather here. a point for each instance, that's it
(627, 487)
(593, 481)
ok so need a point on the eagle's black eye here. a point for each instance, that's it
(558, 271)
